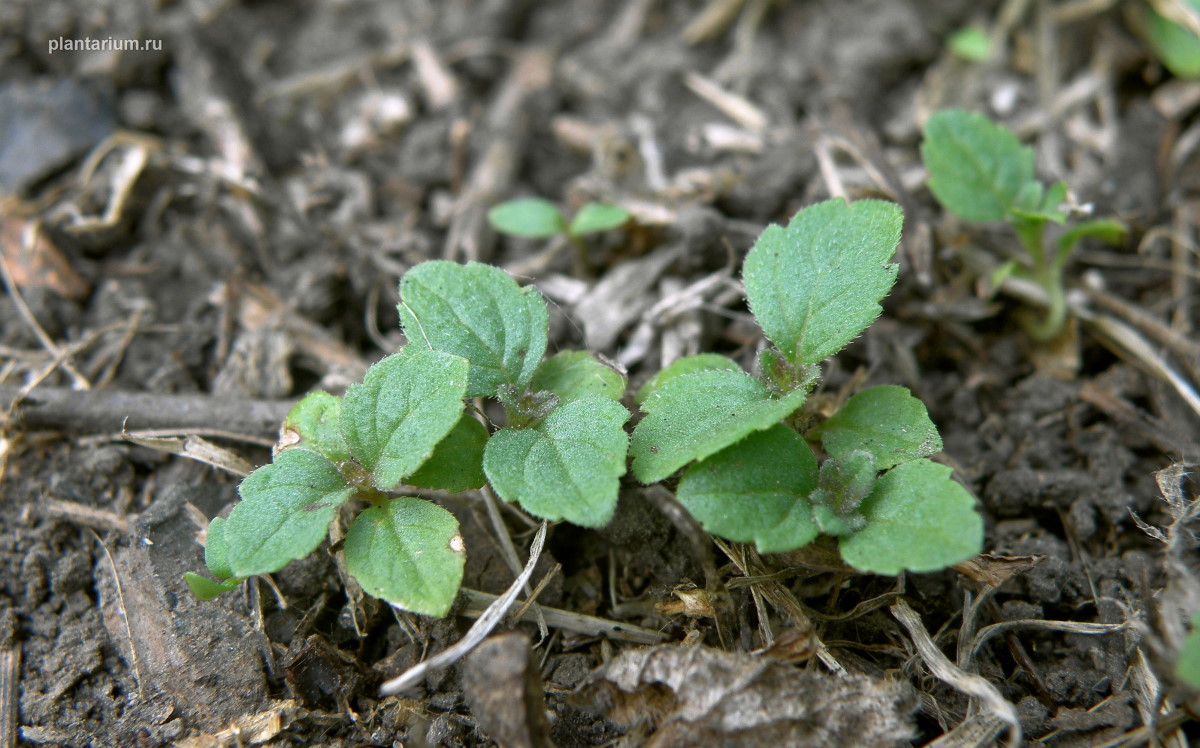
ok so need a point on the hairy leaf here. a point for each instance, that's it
(816, 284)
(696, 415)
(406, 404)
(284, 513)
(595, 217)
(918, 519)
(316, 423)
(842, 484)
(480, 313)
(457, 461)
(408, 552)
(755, 491)
(530, 217)
(568, 466)
(977, 168)
(575, 374)
(685, 365)
(886, 421)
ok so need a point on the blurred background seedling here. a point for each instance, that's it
(980, 171)
(539, 218)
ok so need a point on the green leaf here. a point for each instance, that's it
(1003, 272)
(887, 422)
(1052, 202)
(575, 374)
(216, 558)
(530, 217)
(1175, 45)
(406, 404)
(971, 43)
(480, 313)
(457, 461)
(316, 423)
(977, 168)
(755, 491)
(781, 377)
(1107, 230)
(685, 365)
(285, 512)
(1029, 199)
(842, 485)
(407, 552)
(205, 588)
(568, 466)
(1188, 664)
(696, 415)
(595, 217)
(917, 519)
(1036, 206)
(216, 549)
(815, 285)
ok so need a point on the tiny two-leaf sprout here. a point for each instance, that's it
(538, 218)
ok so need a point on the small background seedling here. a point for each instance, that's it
(971, 43)
(750, 475)
(1173, 30)
(979, 171)
(538, 218)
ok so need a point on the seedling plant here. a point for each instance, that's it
(1173, 30)
(538, 218)
(979, 171)
(474, 333)
(751, 474)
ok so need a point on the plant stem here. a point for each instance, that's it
(1047, 272)
(1050, 279)
(582, 267)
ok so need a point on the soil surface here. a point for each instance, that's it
(196, 234)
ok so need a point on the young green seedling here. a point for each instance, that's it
(401, 425)
(562, 450)
(538, 218)
(813, 286)
(1176, 40)
(979, 171)
(473, 332)
(971, 43)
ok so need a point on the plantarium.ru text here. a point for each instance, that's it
(751, 474)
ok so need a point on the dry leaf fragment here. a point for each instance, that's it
(33, 259)
(704, 696)
(994, 569)
(692, 601)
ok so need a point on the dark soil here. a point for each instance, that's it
(219, 224)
